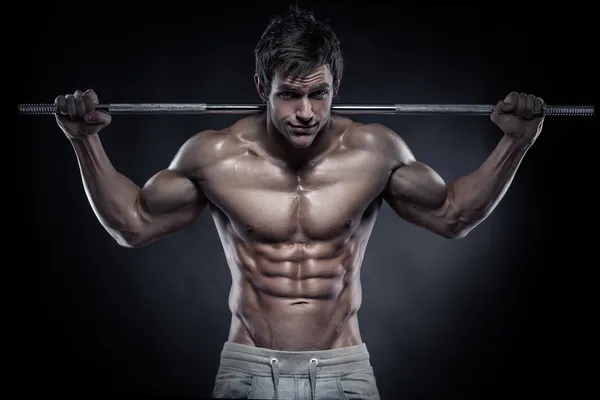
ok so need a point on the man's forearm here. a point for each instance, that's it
(113, 196)
(475, 195)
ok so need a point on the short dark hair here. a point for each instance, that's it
(295, 45)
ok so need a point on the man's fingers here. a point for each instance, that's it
(61, 104)
(529, 109)
(504, 107)
(500, 109)
(91, 99)
(77, 114)
(521, 105)
(508, 105)
(79, 104)
(98, 117)
(538, 107)
(512, 98)
(71, 109)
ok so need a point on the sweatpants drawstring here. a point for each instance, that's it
(275, 372)
(312, 375)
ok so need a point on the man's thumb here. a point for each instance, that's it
(505, 107)
(98, 118)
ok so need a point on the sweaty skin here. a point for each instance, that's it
(294, 229)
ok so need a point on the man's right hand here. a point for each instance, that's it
(77, 115)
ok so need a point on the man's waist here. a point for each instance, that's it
(259, 360)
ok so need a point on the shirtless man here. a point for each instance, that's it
(294, 193)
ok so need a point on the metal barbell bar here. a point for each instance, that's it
(384, 109)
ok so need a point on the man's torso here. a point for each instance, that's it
(294, 239)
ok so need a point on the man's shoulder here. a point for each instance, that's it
(374, 138)
(208, 147)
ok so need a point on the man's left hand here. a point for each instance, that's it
(520, 117)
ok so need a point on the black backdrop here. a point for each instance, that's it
(498, 313)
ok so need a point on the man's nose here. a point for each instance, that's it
(304, 111)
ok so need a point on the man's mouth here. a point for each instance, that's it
(302, 128)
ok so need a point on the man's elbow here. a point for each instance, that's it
(459, 221)
(130, 233)
(461, 226)
(129, 229)
(454, 233)
(128, 239)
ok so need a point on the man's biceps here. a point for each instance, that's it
(400, 181)
(165, 188)
(406, 209)
(167, 181)
(431, 219)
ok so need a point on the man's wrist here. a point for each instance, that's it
(83, 139)
(85, 143)
(518, 143)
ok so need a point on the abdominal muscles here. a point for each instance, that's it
(297, 296)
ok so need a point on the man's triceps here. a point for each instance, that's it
(168, 191)
(418, 194)
(418, 184)
(168, 202)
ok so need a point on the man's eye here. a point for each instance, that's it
(320, 93)
(285, 95)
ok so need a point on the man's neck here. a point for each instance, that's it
(297, 158)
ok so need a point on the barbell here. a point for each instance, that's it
(383, 109)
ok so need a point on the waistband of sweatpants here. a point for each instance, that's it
(258, 359)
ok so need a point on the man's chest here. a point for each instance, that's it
(276, 203)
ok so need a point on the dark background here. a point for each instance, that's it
(501, 312)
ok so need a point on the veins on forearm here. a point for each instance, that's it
(476, 195)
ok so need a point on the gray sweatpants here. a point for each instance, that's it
(247, 372)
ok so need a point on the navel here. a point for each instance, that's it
(248, 229)
(348, 223)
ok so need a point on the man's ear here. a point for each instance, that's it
(259, 87)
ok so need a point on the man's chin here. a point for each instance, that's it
(301, 141)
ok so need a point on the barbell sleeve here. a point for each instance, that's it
(383, 109)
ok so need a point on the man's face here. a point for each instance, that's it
(300, 107)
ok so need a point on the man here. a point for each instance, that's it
(294, 193)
